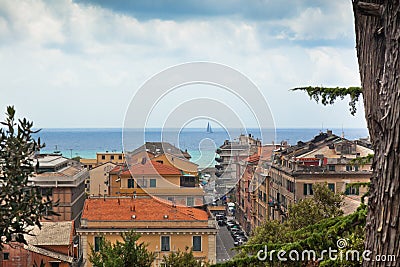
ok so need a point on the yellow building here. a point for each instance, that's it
(114, 157)
(156, 179)
(164, 227)
(88, 163)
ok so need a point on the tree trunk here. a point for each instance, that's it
(377, 27)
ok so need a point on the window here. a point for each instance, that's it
(153, 183)
(190, 201)
(356, 168)
(54, 264)
(47, 191)
(120, 157)
(332, 187)
(196, 243)
(308, 189)
(97, 242)
(331, 168)
(131, 183)
(349, 168)
(103, 157)
(171, 199)
(6, 256)
(165, 245)
(160, 161)
(112, 157)
(352, 190)
(290, 186)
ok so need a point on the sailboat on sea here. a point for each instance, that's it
(209, 129)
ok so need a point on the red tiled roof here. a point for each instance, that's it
(145, 209)
(253, 158)
(150, 167)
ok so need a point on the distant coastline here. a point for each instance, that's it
(85, 142)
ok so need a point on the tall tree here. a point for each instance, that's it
(21, 205)
(377, 27)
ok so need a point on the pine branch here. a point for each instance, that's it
(328, 95)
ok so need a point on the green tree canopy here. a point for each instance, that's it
(128, 253)
(314, 223)
(182, 259)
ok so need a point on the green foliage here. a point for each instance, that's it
(362, 160)
(128, 253)
(182, 259)
(21, 205)
(77, 158)
(329, 95)
(313, 224)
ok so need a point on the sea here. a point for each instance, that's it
(201, 145)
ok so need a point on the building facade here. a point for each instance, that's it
(97, 185)
(55, 244)
(156, 179)
(164, 227)
(327, 159)
(62, 180)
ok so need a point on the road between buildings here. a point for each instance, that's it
(224, 245)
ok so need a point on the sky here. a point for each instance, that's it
(66, 64)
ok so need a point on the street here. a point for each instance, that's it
(224, 245)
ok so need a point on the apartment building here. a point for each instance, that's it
(156, 179)
(327, 158)
(230, 154)
(97, 184)
(164, 227)
(63, 180)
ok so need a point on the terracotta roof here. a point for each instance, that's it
(145, 209)
(253, 158)
(150, 167)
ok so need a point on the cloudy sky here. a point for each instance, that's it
(79, 63)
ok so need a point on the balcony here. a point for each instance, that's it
(219, 160)
(219, 167)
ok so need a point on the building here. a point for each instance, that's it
(88, 163)
(55, 244)
(156, 179)
(183, 164)
(327, 158)
(114, 157)
(252, 188)
(163, 226)
(62, 180)
(158, 148)
(97, 184)
(230, 154)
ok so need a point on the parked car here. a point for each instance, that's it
(220, 217)
(229, 224)
(221, 222)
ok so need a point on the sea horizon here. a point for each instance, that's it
(86, 142)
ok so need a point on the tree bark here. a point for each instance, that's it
(377, 38)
